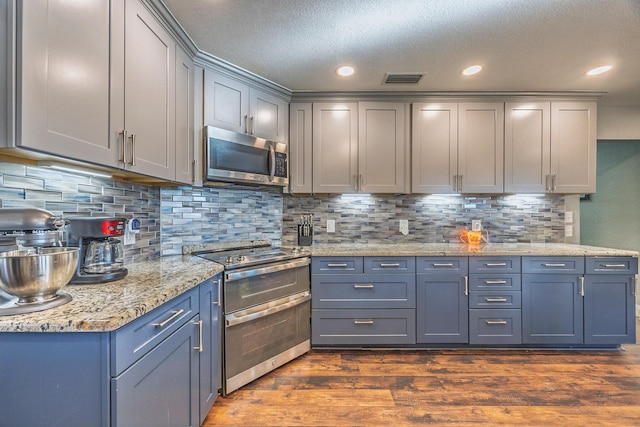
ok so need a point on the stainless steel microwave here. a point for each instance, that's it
(236, 157)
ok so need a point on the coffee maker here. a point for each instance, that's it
(101, 253)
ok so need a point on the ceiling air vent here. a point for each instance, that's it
(402, 78)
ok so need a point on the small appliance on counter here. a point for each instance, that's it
(101, 253)
(305, 230)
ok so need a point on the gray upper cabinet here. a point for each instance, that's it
(335, 147)
(550, 147)
(64, 88)
(457, 148)
(300, 148)
(383, 149)
(236, 106)
(185, 103)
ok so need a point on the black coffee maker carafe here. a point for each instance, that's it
(101, 253)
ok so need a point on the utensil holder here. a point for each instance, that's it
(305, 235)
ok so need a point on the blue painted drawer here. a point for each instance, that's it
(553, 265)
(611, 265)
(383, 265)
(363, 327)
(495, 299)
(134, 340)
(495, 326)
(505, 264)
(448, 264)
(324, 265)
(495, 282)
(363, 291)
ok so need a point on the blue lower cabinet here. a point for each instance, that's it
(211, 354)
(442, 309)
(609, 309)
(161, 389)
(495, 326)
(363, 327)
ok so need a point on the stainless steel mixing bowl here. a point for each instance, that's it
(34, 277)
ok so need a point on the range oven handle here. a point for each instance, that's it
(272, 268)
(266, 309)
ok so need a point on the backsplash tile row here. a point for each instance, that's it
(435, 218)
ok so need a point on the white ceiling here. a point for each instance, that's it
(523, 45)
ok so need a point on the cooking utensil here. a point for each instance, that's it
(37, 276)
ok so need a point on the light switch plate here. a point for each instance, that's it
(568, 231)
(331, 226)
(404, 226)
(568, 217)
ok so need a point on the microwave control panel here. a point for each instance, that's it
(281, 165)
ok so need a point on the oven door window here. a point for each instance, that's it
(235, 157)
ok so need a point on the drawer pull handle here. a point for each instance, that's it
(199, 347)
(448, 264)
(495, 282)
(173, 316)
(368, 286)
(496, 264)
(554, 265)
(633, 285)
(390, 265)
(363, 322)
(337, 265)
(615, 265)
(496, 322)
(495, 299)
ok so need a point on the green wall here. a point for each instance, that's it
(612, 217)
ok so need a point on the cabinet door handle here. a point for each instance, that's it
(368, 286)
(219, 284)
(395, 264)
(199, 347)
(581, 286)
(554, 184)
(355, 182)
(172, 317)
(496, 322)
(633, 285)
(193, 171)
(363, 322)
(495, 300)
(495, 282)
(546, 183)
(496, 264)
(246, 123)
(133, 149)
(439, 264)
(466, 285)
(330, 265)
(460, 184)
(253, 126)
(455, 183)
(122, 145)
(615, 265)
(554, 265)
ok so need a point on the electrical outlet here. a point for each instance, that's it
(331, 226)
(568, 217)
(404, 226)
(476, 225)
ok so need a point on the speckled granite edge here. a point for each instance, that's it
(454, 249)
(109, 306)
(190, 249)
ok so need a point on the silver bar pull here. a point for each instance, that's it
(253, 126)
(133, 149)
(193, 171)
(495, 299)
(395, 264)
(495, 282)
(460, 185)
(172, 317)
(554, 184)
(439, 264)
(219, 284)
(367, 286)
(246, 123)
(363, 322)
(496, 322)
(496, 264)
(331, 265)
(355, 182)
(553, 265)
(615, 265)
(546, 183)
(199, 347)
(455, 183)
(361, 186)
(581, 286)
(466, 285)
(122, 145)
(633, 285)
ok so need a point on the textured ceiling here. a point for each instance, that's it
(523, 45)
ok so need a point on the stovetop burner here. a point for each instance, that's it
(250, 256)
(10, 305)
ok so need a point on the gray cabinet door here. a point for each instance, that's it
(442, 309)
(226, 102)
(149, 100)
(185, 103)
(64, 80)
(335, 148)
(161, 389)
(300, 148)
(211, 354)
(527, 147)
(609, 309)
(268, 116)
(573, 147)
(434, 148)
(552, 309)
(383, 148)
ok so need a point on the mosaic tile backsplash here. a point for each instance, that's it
(432, 219)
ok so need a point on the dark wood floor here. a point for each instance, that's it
(454, 387)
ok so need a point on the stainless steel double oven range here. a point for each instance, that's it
(266, 303)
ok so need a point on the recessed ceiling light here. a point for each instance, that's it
(599, 70)
(470, 71)
(345, 71)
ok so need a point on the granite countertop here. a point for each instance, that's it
(109, 306)
(457, 249)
